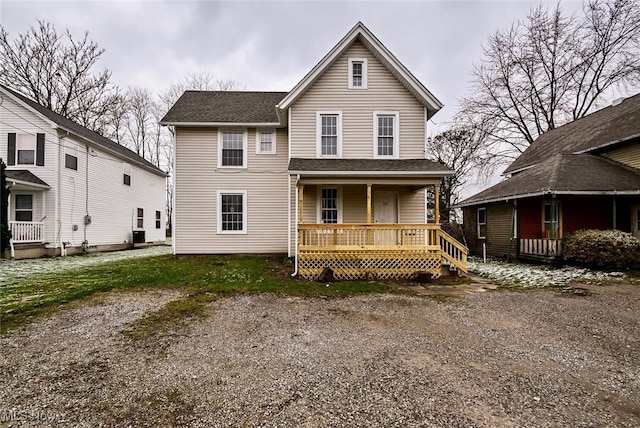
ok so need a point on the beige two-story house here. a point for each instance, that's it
(333, 173)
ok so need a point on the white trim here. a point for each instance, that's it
(319, 202)
(245, 145)
(478, 222)
(319, 115)
(273, 132)
(374, 173)
(363, 61)
(396, 134)
(220, 193)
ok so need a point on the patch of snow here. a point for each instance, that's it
(10, 270)
(527, 275)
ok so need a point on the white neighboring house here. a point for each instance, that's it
(71, 189)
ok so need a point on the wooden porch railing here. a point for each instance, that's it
(541, 247)
(391, 245)
(26, 231)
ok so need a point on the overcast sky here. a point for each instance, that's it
(272, 45)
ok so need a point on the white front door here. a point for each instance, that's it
(635, 221)
(385, 210)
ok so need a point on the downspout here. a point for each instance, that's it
(9, 186)
(57, 221)
(85, 243)
(295, 268)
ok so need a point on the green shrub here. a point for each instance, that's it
(602, 249)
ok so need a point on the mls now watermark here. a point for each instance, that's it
(13, 415)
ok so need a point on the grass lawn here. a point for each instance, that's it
(201, 279)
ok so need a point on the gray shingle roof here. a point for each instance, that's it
(25, 176)
(402, 166)
(564, 173)
(606, 126)
(224, 107)
(86, 133)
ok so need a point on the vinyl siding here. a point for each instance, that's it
(110, 203)
(198, 180)
(384, 93)
(498, 236)
(629, 155)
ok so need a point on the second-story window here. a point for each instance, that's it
(357, 73)
(266, 141)
(329, 131)
(386, 134)
(25, 149)
(71, 156)
(232, 149)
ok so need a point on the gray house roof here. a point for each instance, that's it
(85, 133)
(564, 174)
(376, 166)
(24, 176)
(611, 125)
(224, 107)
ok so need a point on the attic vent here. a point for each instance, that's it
(617, 101)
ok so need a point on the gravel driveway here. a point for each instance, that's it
(493, 359)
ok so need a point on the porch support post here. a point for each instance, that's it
(369, 219)
(614, 214)
(301, 203)
(436, 204)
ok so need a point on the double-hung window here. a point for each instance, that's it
(232, 149)
(329, 205)
(24, 208)
(357, 73)
(482, 223)
(329, 134)
(232, 211)
(385, 134)
(158, 219)
(126, 174)
(551, 220)
(266, 141)
(25, 149)
(140, 222)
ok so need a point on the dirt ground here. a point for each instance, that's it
(541, 358)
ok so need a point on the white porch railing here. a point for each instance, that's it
(26, 231)
(541, 247)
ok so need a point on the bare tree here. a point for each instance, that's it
(56, 71)
(551, 69)
(197, 81)
(461, 148)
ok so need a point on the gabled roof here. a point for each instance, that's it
(609, 126)
(361, 33)
(582, 174)
(24, 176)
(414, 167)
(224, 107)
(74, 128)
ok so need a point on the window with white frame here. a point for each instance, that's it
(329, 205)
(385, 132)
(24, 207)
(71, 156)
(551, 225)
(482, 223)
(232, 211)
(232, 149)
(266, 141)
(25, 149)
(140, 222)
(329, 134)
(357, 73)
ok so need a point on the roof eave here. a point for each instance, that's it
(237, 124)
(549, 192)
(429, 174)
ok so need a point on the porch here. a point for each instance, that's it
(540, 247)
(23, 232)
(370, 219)
(381, 251)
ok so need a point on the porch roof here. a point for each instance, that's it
(26, 178)
(373, 167)
(564, 174)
